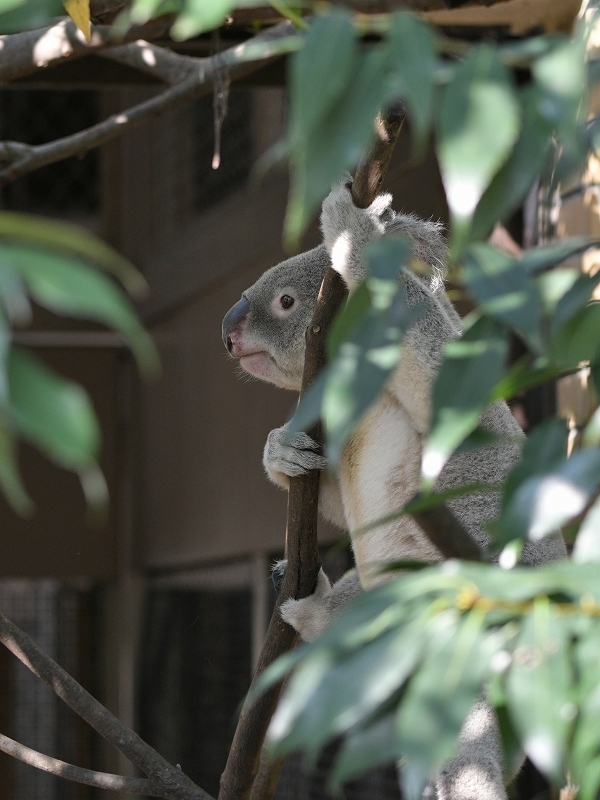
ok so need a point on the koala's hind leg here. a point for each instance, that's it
(312, 615)
(477, 771)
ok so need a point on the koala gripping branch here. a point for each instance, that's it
(242, 769)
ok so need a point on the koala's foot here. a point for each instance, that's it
(289, 455)
(311, 615)
(278, 574)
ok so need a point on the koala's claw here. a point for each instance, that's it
(292, 454)
(278, 574)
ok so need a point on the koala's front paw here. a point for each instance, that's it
(278, 574)
(287, 456)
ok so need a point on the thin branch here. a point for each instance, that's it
(240, 60)
(302, 546)
(101, 780)
(170, 782)
(22, 54)
(157, 61)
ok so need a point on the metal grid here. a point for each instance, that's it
(36, 117)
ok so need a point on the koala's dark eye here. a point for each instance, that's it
(287, 301)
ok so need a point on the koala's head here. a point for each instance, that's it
(265, 329)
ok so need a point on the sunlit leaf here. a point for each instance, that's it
(323, 154)
(51, 412)
(587, 543)
(511, 184)
(478, 126)
(539, 689)
(471, 367)
(586, 740)
(413, 62)
(551, 497)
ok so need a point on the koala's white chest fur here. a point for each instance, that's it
(379, 472)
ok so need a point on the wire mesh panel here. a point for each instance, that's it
(37, 117)
(50, 613)
(195, 673)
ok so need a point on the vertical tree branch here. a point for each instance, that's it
(303, 552)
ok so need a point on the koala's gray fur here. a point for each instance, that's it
(381, 464)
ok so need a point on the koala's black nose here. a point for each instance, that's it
(232, 319)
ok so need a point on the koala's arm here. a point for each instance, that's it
(347, 230)
(286, 457)
(312, 615)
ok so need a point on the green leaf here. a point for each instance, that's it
(525, 374)
(10, 477)
(71, 240)
(321, 155)
(371, 347)
(472, 366)
(539, 689)
(560, 76)
(579, 339)
(538, 259)
(439, 697)
(27, 15)
(52, 413)
(365, 749)
(587, 543)
(354, 686)
(504, 290)
(478, 126)
(13, 295)
(585, 749)
(67, 286)
(573, 300)
(551, 498)
(326, 60)
(413, 62)
(514, 179)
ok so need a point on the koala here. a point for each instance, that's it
(380, 467)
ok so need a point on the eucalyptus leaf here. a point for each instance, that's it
(10, 477)
(578, 340)
(586, 739)
(336, 144)
(439, 697)
(539, 684)
(471, 368)
(68, 286)
(478, 126)
(413, 62)
(69, 239)
(550, 498)
(326, 60)
(587, 543)
(516, 176)
(504, 290)
(365, 749)
(54, 414)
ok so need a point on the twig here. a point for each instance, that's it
(239, 60)
(170, 782)
(157, 61)
(22, 54)
(101, 780)
(303, 500)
